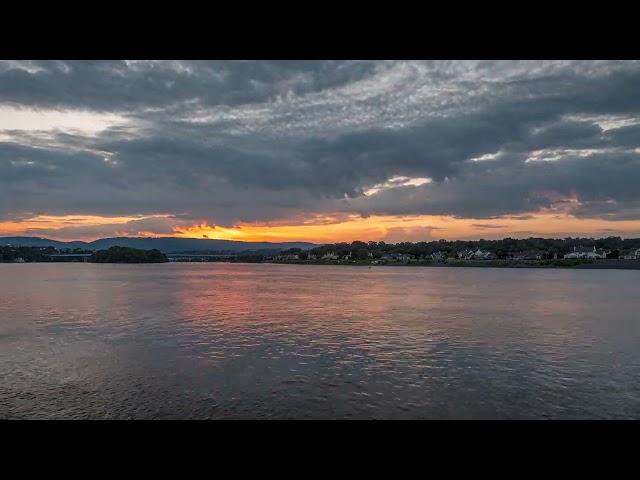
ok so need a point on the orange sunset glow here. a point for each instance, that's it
(319, 151)
(415, 228)
(381, 239)
(332, 230)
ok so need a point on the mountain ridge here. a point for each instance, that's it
(164, 244)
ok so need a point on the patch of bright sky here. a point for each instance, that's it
(607, 122)
(397, 181)
(550, 155)
(74, 220)
(418, 228)
(552, 222)
(27, 66)
(75, 121)
(53, 223)
(485, 157)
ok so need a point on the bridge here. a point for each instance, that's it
(83, 256)
(194, 257)
(173, 257)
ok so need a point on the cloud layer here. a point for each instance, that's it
(224, 143)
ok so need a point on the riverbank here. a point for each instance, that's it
(608, 264)
(602, 264)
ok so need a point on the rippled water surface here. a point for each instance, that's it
(278, 341)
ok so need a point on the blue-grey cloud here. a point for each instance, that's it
(232, 141)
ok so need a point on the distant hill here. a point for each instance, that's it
(165, 245)
(39, 242)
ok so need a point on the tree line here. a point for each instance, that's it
(10, 253)
(503, 248)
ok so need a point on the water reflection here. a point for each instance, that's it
(277, 341)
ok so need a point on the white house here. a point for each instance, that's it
(483, 255)
(438, 256)
(634, 255)
(475, 255)
(465, 254)
(586, 253)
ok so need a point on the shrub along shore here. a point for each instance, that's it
(10, 254)
(128, 255)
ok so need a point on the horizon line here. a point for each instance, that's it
(318, 243)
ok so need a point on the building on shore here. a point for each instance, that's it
(587, 253)
(438, 256)
(398, 257)
(632, 255)
(527, 255)
(288, 257)
(476, 255)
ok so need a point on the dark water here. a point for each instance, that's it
(277, 341)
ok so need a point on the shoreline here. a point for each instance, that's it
(608, 264)
(605, 264)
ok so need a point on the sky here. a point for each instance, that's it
(320, 151)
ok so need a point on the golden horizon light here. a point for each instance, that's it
(391, 229)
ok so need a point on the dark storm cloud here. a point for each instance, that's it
(117, 85)
(230, 141)
(605, 185)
